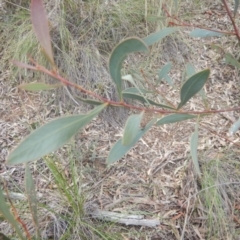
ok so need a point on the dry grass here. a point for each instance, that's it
(156, 178)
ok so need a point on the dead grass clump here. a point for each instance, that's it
(220, 196)
(212, 208)
(83, 34)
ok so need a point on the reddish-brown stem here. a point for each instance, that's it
(123, 104)
(17, 217)
(215, 133)
(184, 24)
(232, 20)
(202, 27)
(68, 83)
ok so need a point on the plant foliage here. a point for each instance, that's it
(58, 132)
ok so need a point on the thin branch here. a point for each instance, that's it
(17, 217)
(232, 20)
(201, 27)
(219, 135)
(55, 75)
(184, 24)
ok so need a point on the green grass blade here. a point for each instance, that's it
(155, 37)
(118, 55)
(173, 118)
(32, 199)
(192, 86)
(50, 137)
(61, 182)
(131, 129)
(4, 209)
(119, 150)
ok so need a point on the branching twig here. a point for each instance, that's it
(232, 20)
(184, 24)
(219, 135)
(55, 75)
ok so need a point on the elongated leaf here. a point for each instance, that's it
(217, 48)
(190, 70)
(231, 60)
(34, 87)
(164, 70)
(157, 36)
(119, 150)
(173, 118)
(40, 26)
(128, 92)
(144, 100)
(4, 209)
(118, 55)
(135, 90)
(193, 150)
(234, 127)
(192, 86)
(32, 199)
(23, 65)
(50, 137)
(168, 80)
(89, 101)
(203, 33)
(236, 5)
(129, 78)
(131, 129)
(163, 73)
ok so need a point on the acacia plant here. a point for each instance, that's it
(56, 133)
